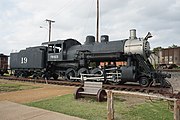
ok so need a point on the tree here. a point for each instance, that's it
(173, 46)
(156, 49)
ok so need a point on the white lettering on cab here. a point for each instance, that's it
(54, 57)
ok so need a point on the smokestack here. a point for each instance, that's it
(133, 34)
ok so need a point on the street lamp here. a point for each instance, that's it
(43, 27)
(49, 21)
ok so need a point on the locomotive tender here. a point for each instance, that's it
(70, 58)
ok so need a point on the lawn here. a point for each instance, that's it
(157, 110)
(9, 87)
(91, 110)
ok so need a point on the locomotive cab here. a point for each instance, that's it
(57, 61)
(57, 50)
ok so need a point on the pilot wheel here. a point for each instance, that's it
(144, 81)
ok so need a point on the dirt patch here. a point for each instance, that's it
(46, 91)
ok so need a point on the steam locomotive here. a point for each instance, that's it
(70, 58)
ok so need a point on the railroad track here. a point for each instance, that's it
(171, 70)
(57, 82)
(168, 92)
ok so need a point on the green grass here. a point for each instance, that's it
(87, 109)
(157, 110)
(9, 87)
(91, 110)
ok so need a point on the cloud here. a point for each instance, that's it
(20, 21)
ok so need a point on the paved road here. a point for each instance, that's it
(14, 111)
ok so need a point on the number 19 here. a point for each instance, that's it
(23, 60)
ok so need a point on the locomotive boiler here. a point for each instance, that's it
(70, 58)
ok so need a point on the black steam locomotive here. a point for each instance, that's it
(70, 58)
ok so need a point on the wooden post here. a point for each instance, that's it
(176, 109)
(110, 105)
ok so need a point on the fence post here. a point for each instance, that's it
(110, 105)
(177, 110)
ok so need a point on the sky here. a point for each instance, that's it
(20, 21)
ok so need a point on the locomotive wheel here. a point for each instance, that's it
(55, 76)
(144, 81)
(35, 76)
(101, 95)
(24, 74)
(77, 94)
(70, 73)
(97, 71)
(46, 76)
(16, 75)
(83, 71)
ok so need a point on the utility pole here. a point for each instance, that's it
(50, 21)
(97, 32)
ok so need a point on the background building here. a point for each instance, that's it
(169, 56)
(3, 61)
(3, 64)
